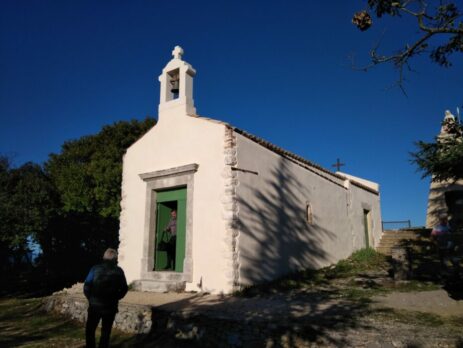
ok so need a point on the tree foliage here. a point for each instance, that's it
(27, 202)
(87, 175)
(71, 205)
(88, 171)
(434, 19)
(442, 159)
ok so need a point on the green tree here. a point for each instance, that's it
(87, 176)
(443, 158)
(26, 205)
(71, 207)
(439, 29)
(5, 250)
(88, 171)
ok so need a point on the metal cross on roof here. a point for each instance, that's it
(177, 52)
(338, 165)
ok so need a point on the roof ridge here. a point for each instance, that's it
(297, 158)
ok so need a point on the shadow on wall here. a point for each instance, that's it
(275, 238)
(447, 200)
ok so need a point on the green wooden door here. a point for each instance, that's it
(167, 201)
(181, 234)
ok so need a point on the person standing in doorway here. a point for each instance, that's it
(104, 286)
(171, 229)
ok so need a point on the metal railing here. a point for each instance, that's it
(396, 225)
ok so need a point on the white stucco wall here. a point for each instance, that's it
(274, 236)
(360, 200)
(178, 140)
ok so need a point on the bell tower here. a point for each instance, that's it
(177, 85)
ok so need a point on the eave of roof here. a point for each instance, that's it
(304, 163)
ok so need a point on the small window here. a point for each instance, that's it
(309, 213)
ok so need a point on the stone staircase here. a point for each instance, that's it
(161, 282)
(392, 238)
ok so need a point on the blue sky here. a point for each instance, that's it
(278, 69)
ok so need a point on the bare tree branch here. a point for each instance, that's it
(443, 19)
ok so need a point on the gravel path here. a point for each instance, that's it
(433, 302)
(295, 305)
(304, 319)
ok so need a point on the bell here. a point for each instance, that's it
(174, 81)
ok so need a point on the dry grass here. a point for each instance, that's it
(23, 323)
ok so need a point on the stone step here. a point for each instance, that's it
(392, 238)
(394, 241)
(392, 245)
(166, 276)
(398, 240)
(399, 235)
(385, 252)
(383, 249)
(158, 285)
(405, 230)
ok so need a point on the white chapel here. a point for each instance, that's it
(247, 211)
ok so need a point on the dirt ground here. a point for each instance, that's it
(296, 303)
(433, 302)
(349, 306)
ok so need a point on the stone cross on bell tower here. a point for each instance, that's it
(177, 85)
(446, 125)
(177, 52)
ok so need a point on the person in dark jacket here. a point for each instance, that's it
(171, 229)
(104, 286)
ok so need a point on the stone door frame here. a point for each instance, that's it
(171, 178)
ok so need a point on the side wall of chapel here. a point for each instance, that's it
(290, 218)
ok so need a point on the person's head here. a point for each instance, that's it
(110, 255)
(173, 214)
(443, 219)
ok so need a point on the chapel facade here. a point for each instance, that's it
(248, 211)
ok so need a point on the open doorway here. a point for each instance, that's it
(367, 224)
(169, 251)
(454, 202)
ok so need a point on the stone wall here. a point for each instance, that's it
(230, 209)
(131, 318)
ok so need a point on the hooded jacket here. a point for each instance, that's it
(104, 286)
